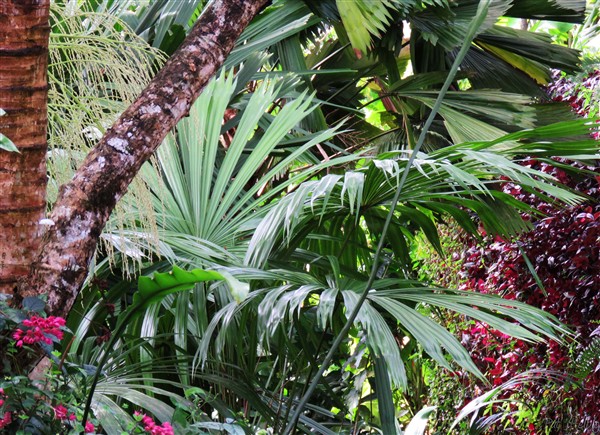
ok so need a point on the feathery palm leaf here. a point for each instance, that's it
(446, 181)
(301, 295)
(97, 67)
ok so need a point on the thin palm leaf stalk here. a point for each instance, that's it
(475, 24)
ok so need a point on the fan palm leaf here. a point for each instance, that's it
(200, 221)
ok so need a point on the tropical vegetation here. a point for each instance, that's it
(280, 264)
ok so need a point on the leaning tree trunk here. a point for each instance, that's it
(85, 203)
(24, 32)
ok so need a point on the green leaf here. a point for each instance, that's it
(449, 27)
(385, 401)
(532, 68)
(363, 18)
(418, 424)
(16, 316)
(33, 304)
(155, 289)
(572, 11)
(536, 47)
(7, 145)
(239, 290)
(151, 290)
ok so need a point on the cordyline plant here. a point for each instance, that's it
(51, 256)
(554, 267)
(563, 251)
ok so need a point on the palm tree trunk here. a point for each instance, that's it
(24, 34)
(85, 203)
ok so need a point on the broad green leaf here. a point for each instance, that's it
(532, 68)
(33, 303)
(151, 290)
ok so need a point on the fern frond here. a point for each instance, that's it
(588, 359)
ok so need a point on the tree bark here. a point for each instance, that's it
(24, 32)
(85, 203)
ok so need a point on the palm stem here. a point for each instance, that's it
(475, 24)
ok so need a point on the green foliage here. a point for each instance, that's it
(361, 19)
(152, 291)
(588, 359)
(489, 410)
(7, 145)
(255, 186)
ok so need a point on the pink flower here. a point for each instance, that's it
(38, 330)
(167, 429)
(89, 427)
(18, 335)
(6, 420)
(60, 412)
(72, 417)
(152, 428)
(148, 423)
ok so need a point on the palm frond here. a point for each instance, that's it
(363, 19)
(515, 45)
(284, 19)
(400, 299)
(448, 26)
(570, 11)
(206, 222)
(457, 176)
(587, 360)
(484, 400)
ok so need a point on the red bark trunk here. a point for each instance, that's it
(24, 34)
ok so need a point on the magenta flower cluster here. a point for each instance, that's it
(38, 329)
(7, 417)
(152, 428)
(62, 413)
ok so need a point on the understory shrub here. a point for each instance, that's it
(38, 406)
(555, 267)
